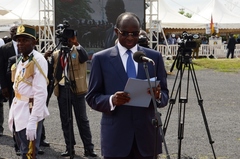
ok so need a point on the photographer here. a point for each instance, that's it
(75, 72)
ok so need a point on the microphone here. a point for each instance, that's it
(140, 57)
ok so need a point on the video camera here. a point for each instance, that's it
(187, 43)
(63, 32)
(143, 41)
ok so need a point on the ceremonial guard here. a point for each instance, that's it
(28, 108)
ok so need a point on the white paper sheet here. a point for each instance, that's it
(138, 90)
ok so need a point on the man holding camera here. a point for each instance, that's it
(70, 71)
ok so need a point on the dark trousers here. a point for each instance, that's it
(24, 143)
(16, 147)
(230, 51)
(1, 116)
(134, 154)
(43, 136)
(78, 105)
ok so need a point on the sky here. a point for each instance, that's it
(196, 5)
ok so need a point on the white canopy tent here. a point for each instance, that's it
(170, 18)
(27, 11)
(18, 12)
(33, 12)
(220, 14)
(173, 22)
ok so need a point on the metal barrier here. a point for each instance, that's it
(216, 51)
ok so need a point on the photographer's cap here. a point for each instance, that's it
(26, 30)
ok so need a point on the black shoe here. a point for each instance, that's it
(44, 143)
(40, 152)
(90, 153)
(1, 133)
(67, 153)
(18, 153)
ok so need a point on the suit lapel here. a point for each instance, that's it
(13, 53)
(141, 72)
(117, 65)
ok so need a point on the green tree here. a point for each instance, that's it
(182, 11)
(188, 15)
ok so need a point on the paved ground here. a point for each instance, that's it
(220, 94)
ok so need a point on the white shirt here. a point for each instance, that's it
(15, 47)
(124, 55)
(1, 42)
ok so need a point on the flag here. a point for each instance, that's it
(212, 25)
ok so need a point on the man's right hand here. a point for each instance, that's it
(31, 129)
(5, 92)
(120, 98)
(48, 54)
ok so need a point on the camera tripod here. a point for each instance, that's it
(184, 61)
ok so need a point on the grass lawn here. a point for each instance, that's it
(222, 65)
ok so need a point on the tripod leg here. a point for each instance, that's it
(158, 125)
(70, 120)
(200, 103)
(181, 121)
(172, 101)
(182, 106)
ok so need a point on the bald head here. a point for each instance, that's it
(13, 31)
(127, 29)
(127, 16)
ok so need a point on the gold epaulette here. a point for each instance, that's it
(13, 72)
(29, 69)
(40, 69)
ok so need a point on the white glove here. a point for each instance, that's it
(31, 129)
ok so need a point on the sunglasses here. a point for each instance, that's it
(125, 33)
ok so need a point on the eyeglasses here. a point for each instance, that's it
(125, 33)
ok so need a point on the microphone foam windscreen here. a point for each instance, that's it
(137, 56)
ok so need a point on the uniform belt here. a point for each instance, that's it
(22, 97)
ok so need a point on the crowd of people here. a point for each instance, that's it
(177, 39)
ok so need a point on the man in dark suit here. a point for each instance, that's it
(6, 51)
(126, 131)
(231, 46)
(2, 99)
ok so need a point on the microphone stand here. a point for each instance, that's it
(157, 121)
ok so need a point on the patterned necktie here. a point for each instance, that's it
(131, 71)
